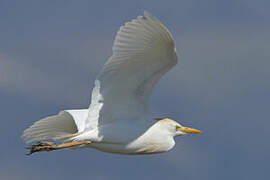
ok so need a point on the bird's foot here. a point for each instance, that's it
(50, 146)
(42, 146)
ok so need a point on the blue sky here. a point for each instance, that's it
(51, 52)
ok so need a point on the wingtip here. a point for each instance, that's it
(148, 15)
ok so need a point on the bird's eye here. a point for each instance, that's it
(177, 128)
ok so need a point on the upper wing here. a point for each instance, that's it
(143, 52)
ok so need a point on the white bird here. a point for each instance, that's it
(119, 119)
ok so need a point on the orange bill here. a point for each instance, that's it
(190, 130)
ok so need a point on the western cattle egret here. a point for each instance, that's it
(119, 118)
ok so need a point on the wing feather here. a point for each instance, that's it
(143, 52)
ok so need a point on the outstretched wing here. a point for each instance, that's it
(143, 52)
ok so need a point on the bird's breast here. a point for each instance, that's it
(151, 148)
(133, 148)
(141, 145)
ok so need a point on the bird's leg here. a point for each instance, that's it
(50, 146)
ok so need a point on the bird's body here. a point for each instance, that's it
(138, 139)
(119, 119)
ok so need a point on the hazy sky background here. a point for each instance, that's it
(51, 52)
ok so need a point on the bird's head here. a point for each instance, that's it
(176, 129)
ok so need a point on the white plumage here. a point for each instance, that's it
(119, 118)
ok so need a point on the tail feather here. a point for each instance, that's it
(58, 127)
